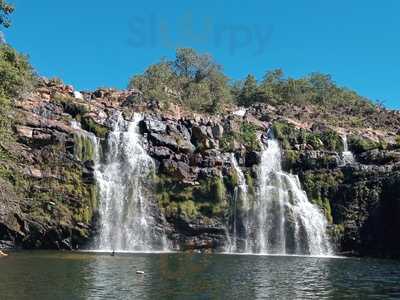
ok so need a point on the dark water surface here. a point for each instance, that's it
(56, 275)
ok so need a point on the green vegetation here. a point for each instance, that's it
(197, 82)
(63, 196)
(319, 185)
(398, 141)
(16, 74)
(291, 158)
(207, 198)
(227, 142)
(78, 110)
(289, 136)
(192, 80)
(315, 88)
(285, 133)
(72, 106)
(246, 135)
(5, 125)
(250, 183)
(247, 94)
(83, 147)
(90, 125)
(16, 77)
(232, 180)
(359, 144)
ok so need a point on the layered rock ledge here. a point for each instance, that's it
(49, 197)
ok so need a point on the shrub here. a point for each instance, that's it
(359, 144)
(227, 142)
(248, 135)
(16, 74)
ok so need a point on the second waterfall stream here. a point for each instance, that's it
(281, 219)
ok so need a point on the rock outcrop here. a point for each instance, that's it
(48, 190)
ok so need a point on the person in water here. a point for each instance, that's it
(113, 253)
(3, 254)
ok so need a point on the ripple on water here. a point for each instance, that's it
(55, 275)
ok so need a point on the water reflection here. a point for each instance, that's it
(286, 278)
(43, 275)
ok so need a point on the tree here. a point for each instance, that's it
(194, 66)
(248, 94)
(192, 80)
(5, 11)
(158, 82)
(220, 91)
(322, 86)
(273, 86)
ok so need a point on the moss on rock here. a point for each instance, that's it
(83, 147)
(90, 125)
(289, 137)
(71, 105)
(245, 135)
(359, 144)
(319, 185)
(206, 198)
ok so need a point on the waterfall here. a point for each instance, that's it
(127, 220)
(281, 220)
(240, 203)
(347, 156)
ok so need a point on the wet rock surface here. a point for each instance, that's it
(49, 200)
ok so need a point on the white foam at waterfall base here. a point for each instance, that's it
(126, 220)
(281, 220)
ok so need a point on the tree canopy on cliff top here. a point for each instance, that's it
(197, 82)
(193, 80)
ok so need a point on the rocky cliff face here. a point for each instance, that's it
(48, 192)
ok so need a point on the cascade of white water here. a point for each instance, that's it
(126, 220)
(347, 156)
(240, 194)
(282, 220)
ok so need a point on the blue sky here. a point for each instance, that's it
(103, 43)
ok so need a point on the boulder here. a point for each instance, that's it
(199, 133)
(153, 125)
(217, 131)
(173, 142)
(161, 152)
(177, 169)
(252, 158)
(24, 132)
